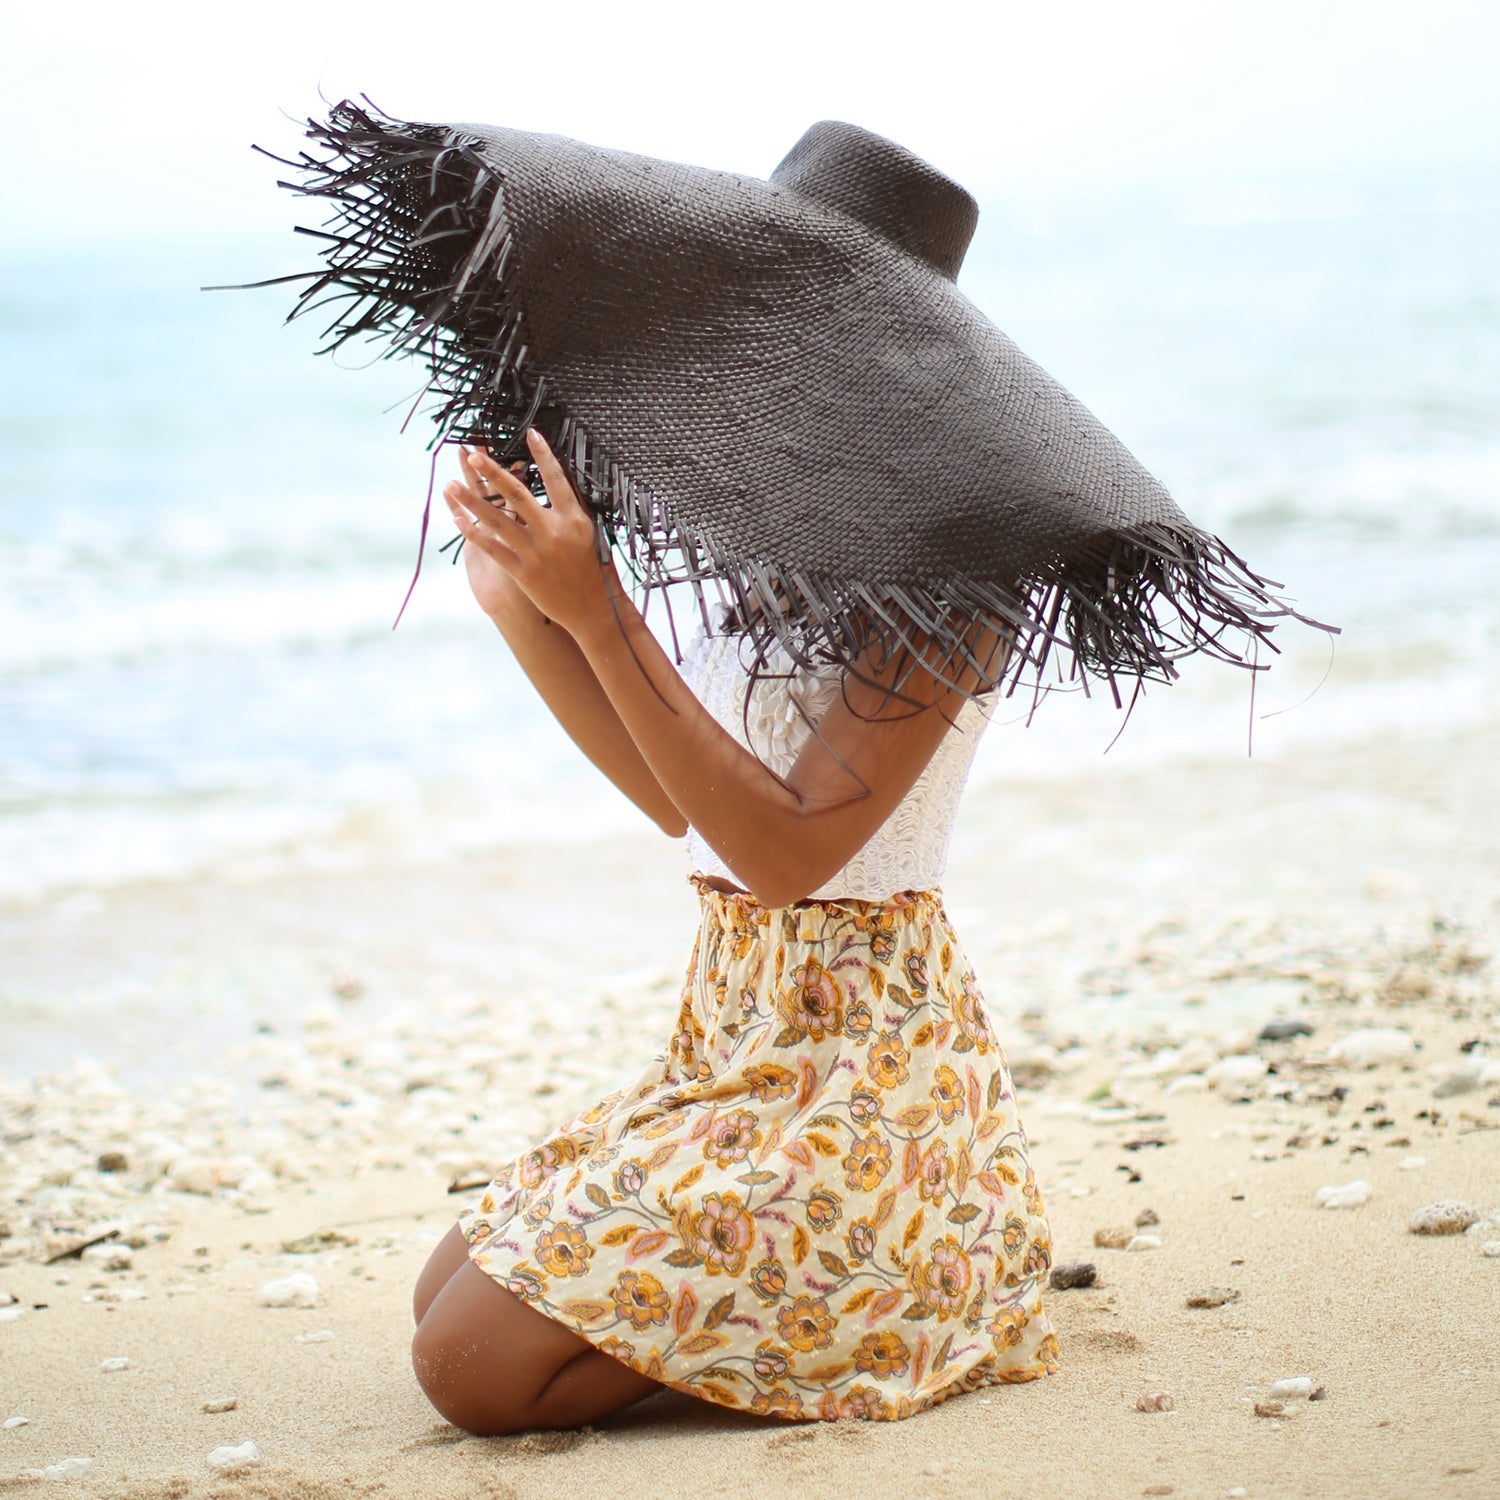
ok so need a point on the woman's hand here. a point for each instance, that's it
(496, 593)
(514, 541)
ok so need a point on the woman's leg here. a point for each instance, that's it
(451, 1252)
(490, 1364)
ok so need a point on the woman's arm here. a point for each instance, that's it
(782, 838)
(560, 673)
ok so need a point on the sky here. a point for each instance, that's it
(134, 120)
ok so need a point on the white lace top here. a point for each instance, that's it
(909, 851)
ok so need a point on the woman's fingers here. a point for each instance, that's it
(479, 530)
(511, 492)
(559, 491)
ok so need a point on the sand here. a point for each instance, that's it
(315, 1059)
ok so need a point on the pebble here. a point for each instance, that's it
(1292, 1386)
(1462, 1082)
(1186, 1081)
(1345, 1195)
(194, 1175)
(1448, 1216)
(112, 1161)
(109, 1257)
(300, 1289)
(64, 1468)
(1112, 1237)
(322, 1336)
(1269, 1408)
(1155, 1401)
(227, 1403)
(1144, 1242)
(11, 1423)
(1279, 1031)
(1489, 1247)
(10, 1314)
(228, 1457)
(1157, 1489)
(1239, 1070)
(1073, 1273)
(1146, 1218)
(1411, 1163)
(1370, 1046)
(1213, 1296)
(115, 1363)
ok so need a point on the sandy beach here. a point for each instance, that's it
(307, 1063)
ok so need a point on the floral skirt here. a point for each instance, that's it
(817, 1202)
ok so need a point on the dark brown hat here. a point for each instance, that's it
(773, 386)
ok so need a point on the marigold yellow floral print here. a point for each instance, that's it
(817, 1202)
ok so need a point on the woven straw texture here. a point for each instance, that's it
(773, 387)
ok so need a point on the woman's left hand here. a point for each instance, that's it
(549, 549)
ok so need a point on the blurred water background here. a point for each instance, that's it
(205, 532)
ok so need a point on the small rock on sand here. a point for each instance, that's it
(228, 1457)
(297, 1290)
(1291, 1388)
(1411, 1163)
(1269, 1408)
(1112, 1237)
(115, 1363)
(1213, 1296)
(1144, 1242)
(225, 1403)
(1446, 1217)
(1237, 1071)
(1370, 1046)
(1155, 1401)
(1279, 1031)
(11, 1423)
(1489, 1247)
(1344, 1195)
(108, 1257)
(1146, 1218)
(64, 1468)
(322, 1336)
(1073, 1273)
(1462, 1082)
(112, 1161)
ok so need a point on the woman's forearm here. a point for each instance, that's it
(782, 837)
(560, 673)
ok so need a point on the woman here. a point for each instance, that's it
(805, 1252)
(817, 1202)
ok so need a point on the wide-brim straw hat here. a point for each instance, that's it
(773, 387)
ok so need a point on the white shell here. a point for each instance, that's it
(1344, 1195)
(1370, 1046)
(300, 1289)
(240, 1457)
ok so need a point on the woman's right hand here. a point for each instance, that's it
(497, 592)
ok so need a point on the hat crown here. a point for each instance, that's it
(886, 188)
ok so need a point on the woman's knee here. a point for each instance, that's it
(456, 1383)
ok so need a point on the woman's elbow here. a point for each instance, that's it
(672, 823)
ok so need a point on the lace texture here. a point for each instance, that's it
(909, 851)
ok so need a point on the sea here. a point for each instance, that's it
(206, 531)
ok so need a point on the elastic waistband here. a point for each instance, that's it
(738, 911)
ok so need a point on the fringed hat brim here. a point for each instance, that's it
(757, 393)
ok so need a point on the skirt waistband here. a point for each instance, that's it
(738, 911)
